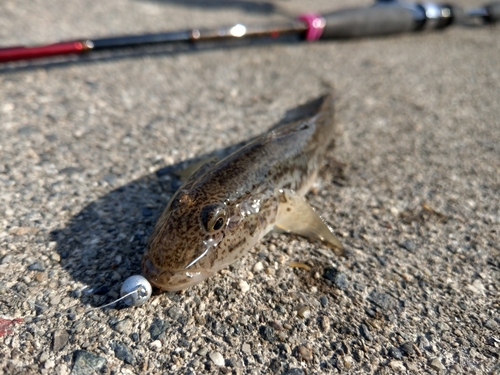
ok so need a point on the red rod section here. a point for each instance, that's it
(23, 53)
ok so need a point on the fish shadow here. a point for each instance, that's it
(103, 244)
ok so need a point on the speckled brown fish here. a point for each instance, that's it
(226, 207)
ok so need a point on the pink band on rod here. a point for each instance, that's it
(315, 25)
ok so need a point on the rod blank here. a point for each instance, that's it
(384, 18)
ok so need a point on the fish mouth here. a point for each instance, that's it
(172, 279)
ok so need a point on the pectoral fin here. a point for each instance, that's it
(295, 215)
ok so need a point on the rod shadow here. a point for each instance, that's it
(103, 244)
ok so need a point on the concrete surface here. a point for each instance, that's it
(417, 208)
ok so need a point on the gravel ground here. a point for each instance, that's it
(87, 155)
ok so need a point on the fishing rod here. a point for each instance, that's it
(385, 17)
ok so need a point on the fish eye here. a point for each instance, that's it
(213, 217)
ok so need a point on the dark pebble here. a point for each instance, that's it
(267, 333)
(339, 279)
(174, 313)
(369, 311)
(146, 212)
(134, 336)
(365, 332)
(27, 130)
(157, 328)
(36, 266)
(283, 286)
(124, 353)
(71, 316)
(275, 366)
(87, 363)
(408, 245)
(220, 292)
(294, 371)
(280, 309)
(68, 171)
(382, 300)
(51, 137)
(395, 353)
(381, 260)
(77, 293)
(323, 300)
(40, 308)
(407, 348)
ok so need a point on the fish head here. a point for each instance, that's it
(199, 234)
(182, 250)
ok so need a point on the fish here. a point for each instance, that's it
(227, 206)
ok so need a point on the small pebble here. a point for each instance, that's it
(423, 342)
(323, 300)
(267, 333)
(348, 361)
(246, 348)
(382, 300)
(397, 366)
(55, 300)
(87, 363)
(270, 271)
(60, 339)
(36, 266)
(217, 358)
(243, 285)
(157, 328)
(124, 326)
(43, 357)
(437, 365)
(305, 353)
(174, 313)
(202, 351)
(124, 353)
(407, 348)
(155, 345)
(258, 267)
(276, 325)
(49, 364)
(304, 312)
(294, 371)
(409, 245)
(275, 366)
(365, 332)
(325, 323)
(491, 324)
(395, 353)
(339, 279)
